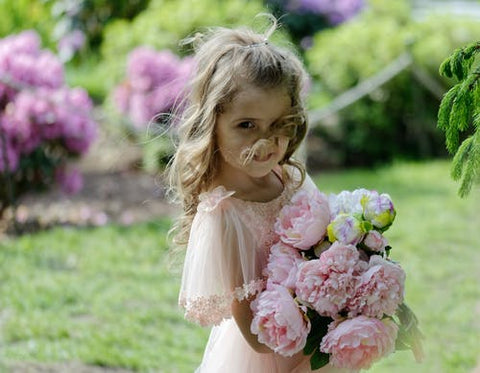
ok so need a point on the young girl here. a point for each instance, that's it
(232, 172)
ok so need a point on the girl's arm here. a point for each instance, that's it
(243, 317)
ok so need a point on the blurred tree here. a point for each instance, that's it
(19, 15)
(91, 16)
(459, 111)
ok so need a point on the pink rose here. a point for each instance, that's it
(278, 321)
(380, 289)
(357, 343)
(283, 264)
(303, 222)
(375, 241)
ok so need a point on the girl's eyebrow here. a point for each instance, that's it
(244, 118)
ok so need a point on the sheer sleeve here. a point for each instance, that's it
(216, 268)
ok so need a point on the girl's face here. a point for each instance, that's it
(251, 116)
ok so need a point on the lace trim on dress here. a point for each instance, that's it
(212, 310)
(207, 311)
(252, 288)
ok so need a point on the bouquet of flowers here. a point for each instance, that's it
(332, 290)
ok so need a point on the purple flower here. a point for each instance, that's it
(337, 11)
(23, 63)
(155, 84)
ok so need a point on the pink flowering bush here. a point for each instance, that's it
(43, 122)
(331, 266)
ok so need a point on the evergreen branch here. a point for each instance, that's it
(457, 111)
(456, 64)
(471, 166)
(461, 158)
(445, 69)
(446, 107)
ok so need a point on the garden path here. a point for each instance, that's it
(115, 191)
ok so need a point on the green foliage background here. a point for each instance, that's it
(21, 15)
(398, 120)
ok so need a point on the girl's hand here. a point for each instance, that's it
(243, 317)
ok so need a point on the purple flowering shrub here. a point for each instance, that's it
(303, 18)
(152, 90)
(154, 85)
(43, 122)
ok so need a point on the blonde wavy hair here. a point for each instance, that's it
(225, 60)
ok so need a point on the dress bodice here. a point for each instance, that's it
(260, 217)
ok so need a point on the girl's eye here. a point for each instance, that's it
(246, 125)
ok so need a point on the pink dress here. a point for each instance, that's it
(228, 248)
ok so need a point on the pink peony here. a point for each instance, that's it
(380, 289)
(303, 222)
(341, 258)
(375, 241)
(278, 321)
(326, 293)
(283, 264)
(357, 343)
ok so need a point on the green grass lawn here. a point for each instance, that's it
(104, 296)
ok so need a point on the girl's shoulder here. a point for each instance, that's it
(211, 200)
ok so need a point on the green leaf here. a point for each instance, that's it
(319, 359)
(313, 342)
(319, 327)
